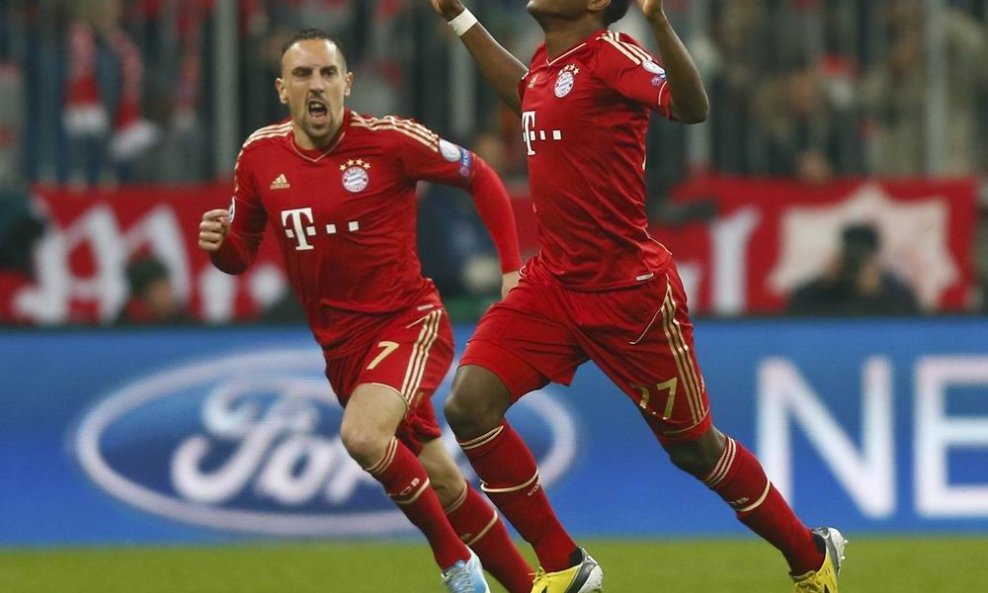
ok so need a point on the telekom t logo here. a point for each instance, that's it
(299, 225)
(299, 230)
(531, 134)
(528, 124)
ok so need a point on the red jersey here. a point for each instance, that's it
(584, 119)
(344, 217)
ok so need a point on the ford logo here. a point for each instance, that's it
(250, 443)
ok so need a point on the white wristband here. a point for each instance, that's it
(462, 22)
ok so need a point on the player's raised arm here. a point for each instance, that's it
(501, 69)
(689, 98)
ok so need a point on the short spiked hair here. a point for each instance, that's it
(307, 34)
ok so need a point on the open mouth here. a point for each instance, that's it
(317, 110)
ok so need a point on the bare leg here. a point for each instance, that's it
(476, 522)
(475, 411)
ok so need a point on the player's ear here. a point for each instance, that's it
(597, 5)
(279, 86)
(349, 84)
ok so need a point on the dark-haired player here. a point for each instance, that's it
(338, 189)
(601, 288)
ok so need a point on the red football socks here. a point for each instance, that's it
(739, 479)
(407, 484)
(479, 527)
(511, 479)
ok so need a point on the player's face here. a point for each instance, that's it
(561, 9)
(314, 82)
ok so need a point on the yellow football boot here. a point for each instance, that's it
(824, 580)
(585, 577)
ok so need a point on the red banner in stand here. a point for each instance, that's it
(767, 236)
(94, 234)
(770, 236)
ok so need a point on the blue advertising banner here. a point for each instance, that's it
(200, 435)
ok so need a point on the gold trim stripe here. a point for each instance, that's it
(483, 532)
(459, 500)
(415, 496)
(716, 475)
(676, 346)
(681, 352)
(385, 462)
(761, 499)
(431, 144)
(482, 439)
(393, 120)
(409, 128)
(534, 479)
(640, 53)
(608, 37)
(274, 133)
(420, 355)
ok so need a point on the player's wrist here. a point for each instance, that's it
(462, 22)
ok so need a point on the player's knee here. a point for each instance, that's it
(699, 456)
(366, 447)
(462, 413)
(448, 487)
(477, 402)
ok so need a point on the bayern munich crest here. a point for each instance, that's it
(566, 80)
(355, 176)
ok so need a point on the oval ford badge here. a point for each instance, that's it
(250, 443)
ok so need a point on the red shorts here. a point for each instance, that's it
(640, 336)
(411, 353)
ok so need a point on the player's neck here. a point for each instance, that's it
(306, 142)
(562, 36)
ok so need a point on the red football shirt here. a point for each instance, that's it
(584, 119)
(344, 217)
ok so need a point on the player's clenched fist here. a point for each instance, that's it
(215, 226)
(651, 8)
(449, 9)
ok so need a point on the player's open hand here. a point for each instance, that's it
(509, 281)
(651, 8)
(215, 226)
(449, 9)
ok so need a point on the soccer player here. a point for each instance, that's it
(601, 288)
(338, 189)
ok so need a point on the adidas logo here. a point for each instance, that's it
(281, 182)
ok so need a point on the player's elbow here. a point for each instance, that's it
(696, 115)
(697, 118)
(692, 112)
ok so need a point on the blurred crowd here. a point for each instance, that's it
(97, 93)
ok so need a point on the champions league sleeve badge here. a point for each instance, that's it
(450, 151)
(355, 176)
(654, 68)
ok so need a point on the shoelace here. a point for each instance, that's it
(808, 586)
(458, 580)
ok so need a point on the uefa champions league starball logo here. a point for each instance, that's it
(355, 176)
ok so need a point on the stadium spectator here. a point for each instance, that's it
(739, 30)
(601, 288)
(338, 188)
(102, 111)
(808, 132)
(855, 283)
(21, 227)
(896, 93)
(152, 300)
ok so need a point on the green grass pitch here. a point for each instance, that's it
(874, 565)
